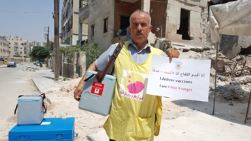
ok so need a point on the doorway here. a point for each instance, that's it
(124, 23)
(184, 24)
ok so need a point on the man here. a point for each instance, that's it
(134, 115)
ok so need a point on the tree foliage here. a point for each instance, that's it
(68, 52)
(92, 52)
(39, 53)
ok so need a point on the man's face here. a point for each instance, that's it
(139, 29)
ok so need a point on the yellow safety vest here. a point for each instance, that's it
(134, 116)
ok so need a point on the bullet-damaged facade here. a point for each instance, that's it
(106, 19)
(185, 19)
(176, 20)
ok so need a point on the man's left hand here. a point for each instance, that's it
(172, 53)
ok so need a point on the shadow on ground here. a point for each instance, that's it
(49, 77)
(231, 110)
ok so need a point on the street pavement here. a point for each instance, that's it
(194, 126)
(13, 82)
(44, 81)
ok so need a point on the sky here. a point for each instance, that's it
(27, 19)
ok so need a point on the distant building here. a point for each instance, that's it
(176, 20)
(18, 46)
(4, 48)
(70, 22)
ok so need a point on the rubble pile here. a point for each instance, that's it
(233, 75)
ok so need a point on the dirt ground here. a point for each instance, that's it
(182, 119)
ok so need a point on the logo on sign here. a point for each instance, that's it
(178, 65)
(97, 88)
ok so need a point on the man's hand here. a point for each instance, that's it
(78, 90)
(172, 53)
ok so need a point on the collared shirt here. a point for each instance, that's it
(139, 56)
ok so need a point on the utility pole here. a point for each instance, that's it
(56, 39)
(47, 35)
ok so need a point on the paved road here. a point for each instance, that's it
(13, 82)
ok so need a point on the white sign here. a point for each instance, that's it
(180, 79)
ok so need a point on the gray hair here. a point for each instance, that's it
(141, 12)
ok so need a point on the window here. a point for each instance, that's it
(92, 31)
(105, 25)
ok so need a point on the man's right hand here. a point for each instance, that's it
(79, 88)
(172, 53)
(78, 91)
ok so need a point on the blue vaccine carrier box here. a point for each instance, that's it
(51, 129)
(97, 97)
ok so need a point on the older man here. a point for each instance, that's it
(134, 114)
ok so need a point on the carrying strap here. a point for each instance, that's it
(44, 107)
(15, 111)
(90, 77)
(101, 74)
(43, 98)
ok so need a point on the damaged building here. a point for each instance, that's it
(175, 20)
(233, 45)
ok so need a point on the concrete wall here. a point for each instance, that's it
(145, 5)
(99, 10)
(195, 22)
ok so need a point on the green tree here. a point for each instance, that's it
(39, 53)
(92, 52)
(69, 51)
